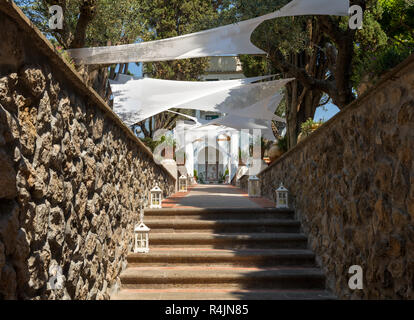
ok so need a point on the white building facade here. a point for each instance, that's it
(215, 157)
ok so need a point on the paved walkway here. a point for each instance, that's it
(215, 196)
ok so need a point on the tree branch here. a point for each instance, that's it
(301, 75)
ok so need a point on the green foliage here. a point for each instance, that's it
(286, 34)
(63, 53)
(385, 40)
(118, 22)
(309, 126)
(372, 67)
(398, 18)
(174, 18)
(222, 178)
(167, 140)
(151, 143)
(254, 66)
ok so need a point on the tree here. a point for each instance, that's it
(375, 55)
(173, 18)
(89, 23)
(168, 19)
(319, 51)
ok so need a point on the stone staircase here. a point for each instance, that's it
(220, 254)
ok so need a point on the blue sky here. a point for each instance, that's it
(326, 112)
(134, 69)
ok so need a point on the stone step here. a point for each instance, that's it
(221, 213)
(221, 294)
(221, 277)
(231, 225)
(215, 257)
(229, 240)
(223, 254)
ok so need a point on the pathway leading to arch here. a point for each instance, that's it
(215, 196)
(215, 243)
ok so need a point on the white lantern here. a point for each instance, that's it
(182, 183)
(156, 197)
(141, 238)
(254, 187)
(282, 196)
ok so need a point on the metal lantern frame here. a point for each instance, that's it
(156, 197)
(282, 197)
(183, 183)
(141, 232)
(254, 187)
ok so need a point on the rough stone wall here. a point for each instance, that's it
(71, 175)
(352, 183)
(244, 183)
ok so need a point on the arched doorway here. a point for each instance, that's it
(210, 165)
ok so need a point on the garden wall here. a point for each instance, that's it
(352, 182)
(71, 174)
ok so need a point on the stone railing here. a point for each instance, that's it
(352, 182)
(71, 175)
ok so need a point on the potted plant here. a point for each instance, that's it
(278, 149)
(308, 127)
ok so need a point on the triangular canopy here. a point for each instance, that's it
(137, 100)
(232, 39)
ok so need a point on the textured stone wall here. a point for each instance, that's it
(71, 175)
(244, 183)
(352, 183)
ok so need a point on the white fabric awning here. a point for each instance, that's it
(238, 99)
(232, 39)
(240, 123)
(138, 99)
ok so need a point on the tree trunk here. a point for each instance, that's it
(126, 66)
(87, 13)
(291, 114)
(112, 72)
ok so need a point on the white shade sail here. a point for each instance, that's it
(237, 99)
(232, 39)
(240, 123)
(139, 99)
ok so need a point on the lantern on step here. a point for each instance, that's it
(254, 187)
(282, 197)
(182, 183)
(141, 238)
(156, 197)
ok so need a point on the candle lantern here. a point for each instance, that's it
(182, 183)
(254, 187)
(282, 197)
(156, 197)
(141, 238)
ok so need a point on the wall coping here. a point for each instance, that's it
(389, 76)
(12, 10)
